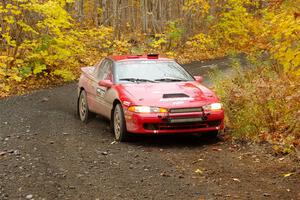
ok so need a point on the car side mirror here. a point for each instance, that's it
(105, 83)
(199, 79)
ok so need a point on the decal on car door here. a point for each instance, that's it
(100, 92)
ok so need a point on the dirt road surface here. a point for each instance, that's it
(47, 153)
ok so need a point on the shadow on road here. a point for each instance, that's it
(172, 141)
(161, 141)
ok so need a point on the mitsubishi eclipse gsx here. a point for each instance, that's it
(148, 94)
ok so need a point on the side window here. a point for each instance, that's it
(107, 73)
(98, 66)
(104, 70)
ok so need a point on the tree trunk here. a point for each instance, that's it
(144, 11)
(104, 12)
(79, 8)
(96, 16)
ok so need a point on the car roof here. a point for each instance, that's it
(117, 58)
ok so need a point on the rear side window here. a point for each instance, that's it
(98, 67)
(104, 71)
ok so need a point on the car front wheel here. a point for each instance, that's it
(119, 126)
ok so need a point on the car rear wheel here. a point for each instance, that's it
(119, 126)
(82, 106)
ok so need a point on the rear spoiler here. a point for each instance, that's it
(88, 70)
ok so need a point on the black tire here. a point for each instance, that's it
(82, 107)
(119, 124)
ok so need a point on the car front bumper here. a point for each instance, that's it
(168, 123)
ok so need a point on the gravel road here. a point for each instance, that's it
(47, 153)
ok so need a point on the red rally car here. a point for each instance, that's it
(148, 95)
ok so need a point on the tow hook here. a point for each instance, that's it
(205, 116)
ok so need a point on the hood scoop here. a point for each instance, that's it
(175, 95)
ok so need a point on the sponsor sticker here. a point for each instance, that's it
(126, 103)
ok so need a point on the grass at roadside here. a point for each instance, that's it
(262, 104)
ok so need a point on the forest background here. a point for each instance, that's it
(45, 42)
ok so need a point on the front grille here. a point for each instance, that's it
(181, 126)
(184, 119)
(186, 110)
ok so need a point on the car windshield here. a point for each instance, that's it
(150, 71)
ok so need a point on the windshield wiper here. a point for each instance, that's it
(137, 80)
(170, 79)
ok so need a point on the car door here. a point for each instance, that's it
(90, 84)
(104, 73)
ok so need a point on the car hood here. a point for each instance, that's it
(174, 94)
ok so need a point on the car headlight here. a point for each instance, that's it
(213, 106)
(147, 109)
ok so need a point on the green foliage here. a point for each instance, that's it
(26, 71)
(174, 32)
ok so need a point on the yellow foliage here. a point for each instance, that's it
(38, 38)
(65, 74)
(197, 6)
(200, 42)
(159, 41)
(273, 112)
(285, 30)
(235, 27)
